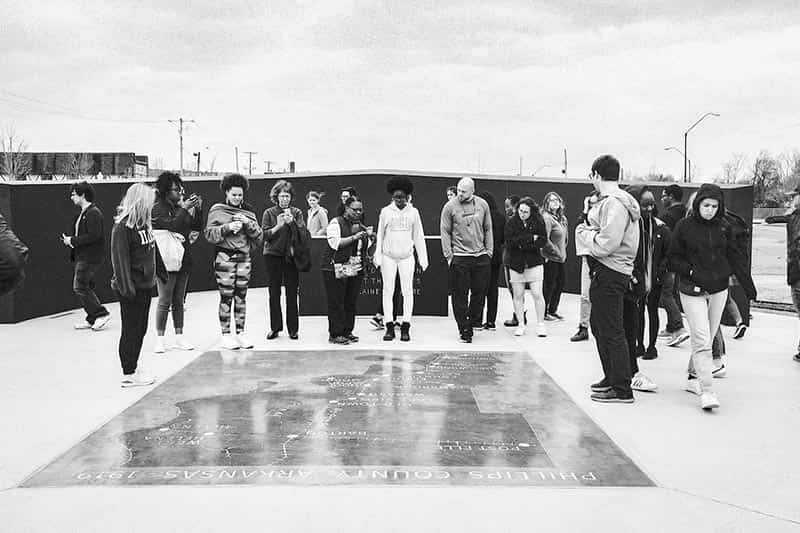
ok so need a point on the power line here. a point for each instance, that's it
(62, 110)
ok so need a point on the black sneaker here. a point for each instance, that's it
(338, 340)
(466, 338)
(548, 317)
(611, 396)
(404, 332)
(490, 326)
(511, 323)
(556, 316)
(650, 353)
(600, 386)
(351, 337)
(581, 335)
(797, 357)
(389, 335)
(741, 329)
(376, 322)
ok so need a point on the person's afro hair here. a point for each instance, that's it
(234, 180)
(401, 183)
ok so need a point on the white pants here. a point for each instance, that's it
(389, 269)
(703, 314)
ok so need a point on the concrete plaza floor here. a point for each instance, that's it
(735, 469)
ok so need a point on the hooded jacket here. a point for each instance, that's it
(611, 233)
(399, 234)
(654, 238)
(673, 214)
(704, 253)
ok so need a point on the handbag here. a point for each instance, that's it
(348, 270)
(170, 246)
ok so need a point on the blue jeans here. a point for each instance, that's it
(171, 295)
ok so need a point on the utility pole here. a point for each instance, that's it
(520, 165)
(197, 155)
(250, 164)
(565, 163)
(236, 151)
(181, 121)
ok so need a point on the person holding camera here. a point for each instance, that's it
(174, 218)
(232, 227)
(277, 224)
(342, 267)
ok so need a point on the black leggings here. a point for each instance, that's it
(553, 286)
(651, 304)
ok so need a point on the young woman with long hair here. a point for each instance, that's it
(525, 235)
(555, 253)
(232, 227)
(316, 216)
(133, 259)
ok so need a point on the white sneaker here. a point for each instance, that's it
(642, 383)
(159, 347)
(137, 379)
(101, 322)
(244, 342)
(541, 330)
(229, 343)
(183, 344)
(720, 371)
(82, 325)
(709, 401)
(520, 331)
(678, 338)
(694, 386)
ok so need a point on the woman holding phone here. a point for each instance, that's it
(232, 227)
(277, 224)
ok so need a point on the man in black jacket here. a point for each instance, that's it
(88, 253)
(674, 210)
(13, 256)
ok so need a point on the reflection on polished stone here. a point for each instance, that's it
(253, 417)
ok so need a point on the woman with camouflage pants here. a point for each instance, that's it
(232, 226)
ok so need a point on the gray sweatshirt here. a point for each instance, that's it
(466, 228)
(611, 232)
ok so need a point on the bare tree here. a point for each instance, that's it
(790, 169)
(733, 167)
(158, 163)
(15, 163)
(767, 181)
(77, 166)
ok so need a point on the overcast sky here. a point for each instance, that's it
(435, 85)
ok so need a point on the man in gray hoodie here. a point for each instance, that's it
(467, 244)
(610, 239)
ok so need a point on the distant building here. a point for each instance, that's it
(69, 165)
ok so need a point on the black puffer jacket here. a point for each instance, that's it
(673, 214)
(704, 253)
(792, 221)
(523, 243)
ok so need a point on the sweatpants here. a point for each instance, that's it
(554, 274)
(281, 272)
(703, 314)
(171, 295)
(135, 314)
(390, 268)
(607, 292)
(232, 272)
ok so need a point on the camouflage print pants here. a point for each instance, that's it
(232, 270)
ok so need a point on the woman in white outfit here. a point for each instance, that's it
(400, 234)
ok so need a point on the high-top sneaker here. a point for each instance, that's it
(404, 336)
(389, 336)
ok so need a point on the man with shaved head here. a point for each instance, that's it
(467, 244)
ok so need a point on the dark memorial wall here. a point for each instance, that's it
(40, 211)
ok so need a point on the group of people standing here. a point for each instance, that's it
(632, 262)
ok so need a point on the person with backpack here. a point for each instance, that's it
(13, 256)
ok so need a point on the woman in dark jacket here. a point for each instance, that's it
(133, 260)
(654, 237)
(704, 254)
(342, 265)
(278, 224)
(525, 234)
(173, 215)
(498, 235)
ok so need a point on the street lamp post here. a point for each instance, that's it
(684, 156)
(686, 141)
